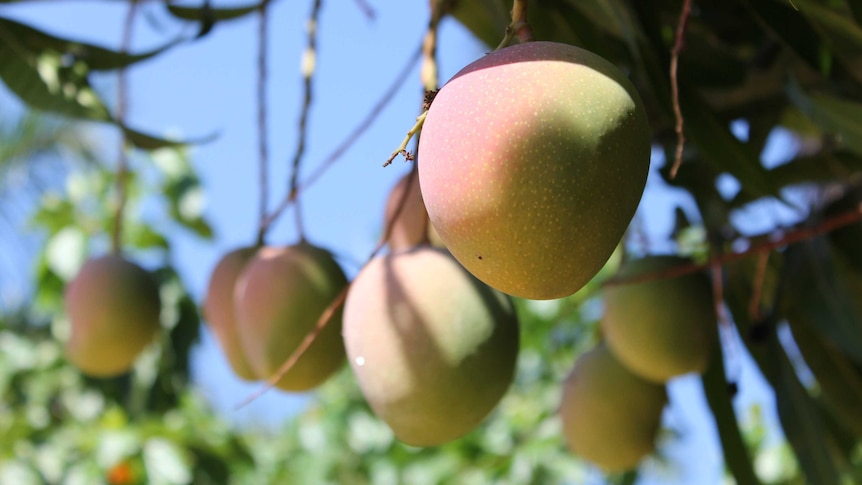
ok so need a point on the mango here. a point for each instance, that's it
(660, 328)
(113, 306)
(533, 160)
(433, 348)
(610, 415)
(411, 227)
(278, 299)
(219, 309)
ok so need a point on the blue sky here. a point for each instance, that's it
(209, 86)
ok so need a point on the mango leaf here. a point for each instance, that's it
(800, 419)
(817, 291)
(145, 141)
(46, 79)
(820, 168)
(843, 35)
(486, 19)
(839, 380)
(715, 387)
(42, 81)
(205, 12)
(839, 117)
(788, 27)
(143, 236)
(96, 58)
(724, 151)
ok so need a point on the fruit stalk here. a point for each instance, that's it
(519, 26)
(122, 158)
(262, 130)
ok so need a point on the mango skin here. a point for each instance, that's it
(433, 349)
(113, 306)
(533, 160)
(278, 298)
(412, 226)
(662, 328)
(219, 309)
(610, 415)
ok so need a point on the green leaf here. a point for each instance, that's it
(788, 27)
(840, 117)
(208, 13)
(487, 19)
(143, 236)
(149, 142)
(34, 68)
(838, 378)
(96, 58)
(816, 290)
(820, 168)
(43, 81)
(736, 454)
(843, 35)
(800, 419)
(725, 152)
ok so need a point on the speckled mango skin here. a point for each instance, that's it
(219, 309)
(610, 415)
(533, 160)
(660, 328)
(433, 348)
(278, 299)
(113, 306)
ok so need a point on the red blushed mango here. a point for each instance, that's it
(113, 307)
(411, 227)
(278, 299)
(220, 313)
(533, 161)
(433, 348)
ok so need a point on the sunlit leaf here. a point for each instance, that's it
(96, 58)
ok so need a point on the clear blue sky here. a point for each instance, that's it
(209, 86)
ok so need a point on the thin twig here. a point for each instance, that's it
(402, 148)
(674, 84)
(122, 156)
(309, 61)
(800, 234)
(350, 139)
(262, 127)
(518, 27)
(429, 73)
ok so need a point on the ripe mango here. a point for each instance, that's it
(411, 227)
(113, 306)
(533, 161)
(433, 348)
(660, 328)
(219, 309)
(278, 299)
(610, 415)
